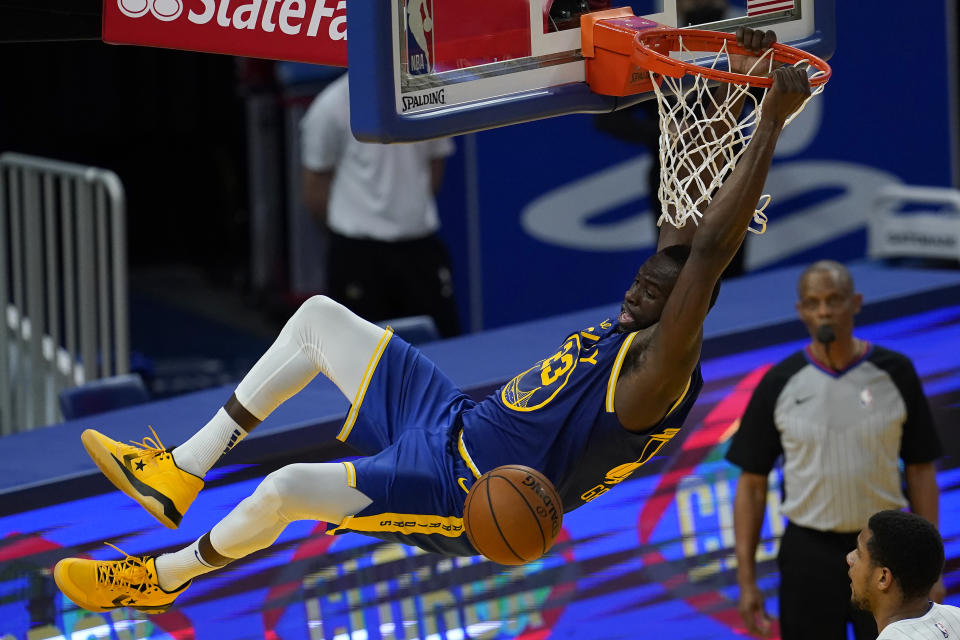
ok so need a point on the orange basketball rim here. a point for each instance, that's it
(652, 48)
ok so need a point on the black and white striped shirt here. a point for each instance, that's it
(942, 622)
(840, 434)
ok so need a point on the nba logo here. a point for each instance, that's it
(419, 37)
(943, 629)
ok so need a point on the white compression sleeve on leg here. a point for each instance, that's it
(321, 337)
(296, 492)
(303, 491)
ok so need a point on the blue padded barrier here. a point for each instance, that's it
(100, 396)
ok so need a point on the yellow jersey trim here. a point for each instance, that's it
(364, 383)
(407, 523)
(615, 371)
(462, 448)
(351, 474)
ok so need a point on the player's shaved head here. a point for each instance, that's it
(839, 272)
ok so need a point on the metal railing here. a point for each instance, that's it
(63, 284)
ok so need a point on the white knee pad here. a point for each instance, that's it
(253, 524)
(339, 342)
(323, 336)
(267, 496)
(316, 492)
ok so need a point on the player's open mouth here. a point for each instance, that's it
(625, 317)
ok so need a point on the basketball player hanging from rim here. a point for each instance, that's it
(585, 417)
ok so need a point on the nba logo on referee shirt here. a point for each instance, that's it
(943, 629)
(419, 37)
(866, 398)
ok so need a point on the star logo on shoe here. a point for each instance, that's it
(140, 465)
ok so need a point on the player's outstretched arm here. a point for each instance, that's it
(726, 219)
(644, 395)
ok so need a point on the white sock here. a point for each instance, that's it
(198, 454)
(174, 569)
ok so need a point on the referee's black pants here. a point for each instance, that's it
(380, 280)
(815, 588)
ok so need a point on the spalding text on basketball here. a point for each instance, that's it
(547, 507)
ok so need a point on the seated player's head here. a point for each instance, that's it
(644, 301)
(899, 557)
(826, 297)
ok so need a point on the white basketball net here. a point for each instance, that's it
(694, 161)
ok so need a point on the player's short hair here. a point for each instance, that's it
(908, 545)
(679, 253)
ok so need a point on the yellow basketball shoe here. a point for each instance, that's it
(147, 473)
(97, 585)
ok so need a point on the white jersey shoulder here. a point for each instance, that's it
(942, 622)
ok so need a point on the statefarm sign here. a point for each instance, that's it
(302, 30)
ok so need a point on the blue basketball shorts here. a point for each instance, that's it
(406, 421)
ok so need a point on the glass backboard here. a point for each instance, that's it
(429, 68)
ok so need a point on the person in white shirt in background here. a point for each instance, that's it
(385, 259)
(898, 559)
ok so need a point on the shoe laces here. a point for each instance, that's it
(149, 448)
(131, 572)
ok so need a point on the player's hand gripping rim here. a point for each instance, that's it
(790, 90)
(757, 42)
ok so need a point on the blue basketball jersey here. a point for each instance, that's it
(558, 417)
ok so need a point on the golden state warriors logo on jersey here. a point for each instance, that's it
(538, 385)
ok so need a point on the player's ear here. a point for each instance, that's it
(884, 580)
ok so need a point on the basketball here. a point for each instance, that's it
(512, 514)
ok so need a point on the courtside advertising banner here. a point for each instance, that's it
(313, 31)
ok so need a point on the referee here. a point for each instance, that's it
(377, 202)
(841, 413)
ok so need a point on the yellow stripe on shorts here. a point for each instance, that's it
(462, 448)
(407, 523)
(364, 383)
(351, 474)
